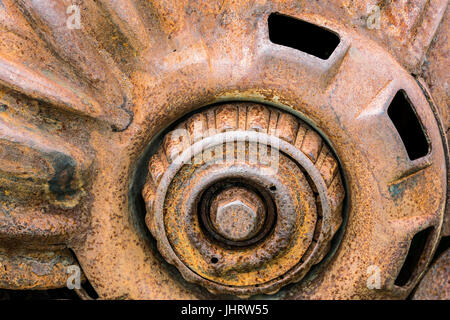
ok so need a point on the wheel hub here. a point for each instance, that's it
(247, 198)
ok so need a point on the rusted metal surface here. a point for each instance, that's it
(82, 111)
(435, 285)
(437, 78)
(251, 161)
(28, 269)
(237, 214)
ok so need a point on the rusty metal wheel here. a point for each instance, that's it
(197, 149)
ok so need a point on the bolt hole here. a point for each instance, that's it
(214, 260)
(273, 188)
(320, 42)
(414, 257)
(408, 125)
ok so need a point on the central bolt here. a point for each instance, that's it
(237, 214)
(235, 220)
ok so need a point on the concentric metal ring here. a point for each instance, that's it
(307, 209)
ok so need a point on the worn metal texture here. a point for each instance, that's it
(262, 153)
(28, 269)
(83, 108)
(436, 282)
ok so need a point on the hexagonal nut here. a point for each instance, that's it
(237, 220)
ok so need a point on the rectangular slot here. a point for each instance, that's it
(302, 35)
(412, 261)
(408, 126)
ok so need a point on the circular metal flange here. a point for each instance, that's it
(243, 198)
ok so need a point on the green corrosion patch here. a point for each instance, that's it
(61, 182)
(397, 190)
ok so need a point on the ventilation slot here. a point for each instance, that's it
(412, 260)
(405, 120)
(302, 35)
